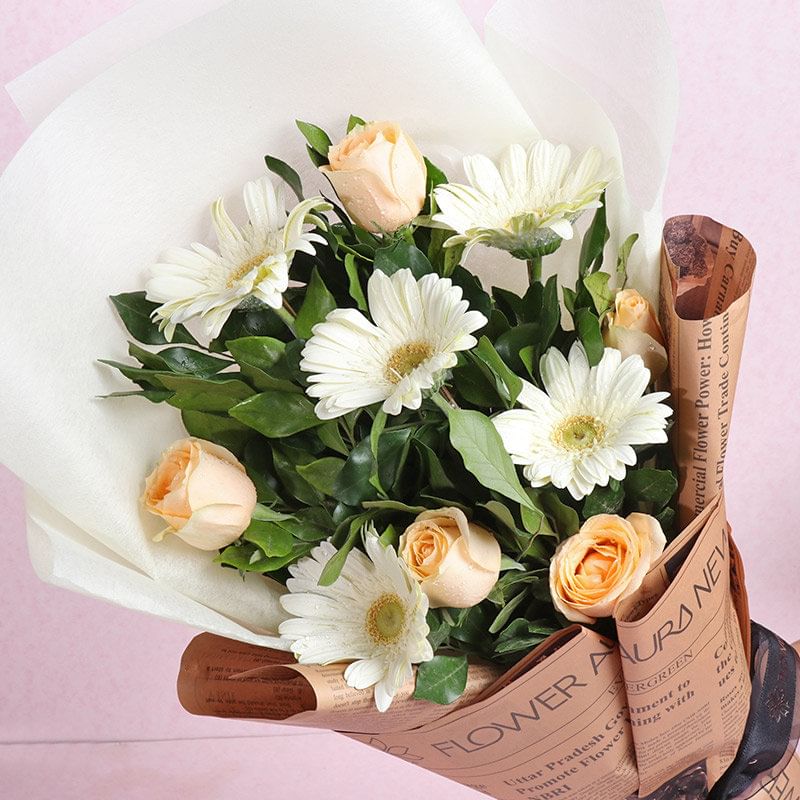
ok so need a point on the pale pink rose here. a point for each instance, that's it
(379, 175)
(604, 562)
(202, 492)
(455, 561)
(633, 329)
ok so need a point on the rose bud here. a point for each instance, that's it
(202, 492)
(605, 561)
(455, 561)
(633, 329)
(379, 175)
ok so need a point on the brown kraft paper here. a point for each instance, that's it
(706, 274)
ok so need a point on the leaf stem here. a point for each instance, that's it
(448, 395)
(534, 270)
(287, 315)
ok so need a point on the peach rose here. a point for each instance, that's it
(379, 175)
(633, 329)
(455, 561)
(202, 492)
(605, 561)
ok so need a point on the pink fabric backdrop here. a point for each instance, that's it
(87, 698)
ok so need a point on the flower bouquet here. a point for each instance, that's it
(476, 523)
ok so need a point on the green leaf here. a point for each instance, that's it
(287, 174)
(594, 240)
(511, 343)
(354, 281)
(588, 328)
(318, 303)
(249, 558)
(602, 296)
(622, 259)
(153, 395)
(564, 517)
(439, 629)
(393, 505)
(322, 473)
(217, 428)
(146, 358)
(604, 500)
(353, 121)
(285, 460)
(352, 485)
(473, 291)
(480, 445)
(135, 312)
(508, 384)
(441, 680)
(523, 634)
(269, 537)
(318, 140)
(506, 611)
(402, 255)
(202, 394)
(649, 485)
(330, 435)
(262, 360)
(569, 299)
(392, 454)
(259, 321)
(438, 477)
(276, 414)
(435, 176)
(333, 568)
(192, 362)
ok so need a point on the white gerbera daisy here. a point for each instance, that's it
(373, 615)
(252, 261)
(527, 203)
(581, 432)
(418, 327)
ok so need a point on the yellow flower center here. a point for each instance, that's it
(406, 359)
(243, 269)
(579, 433)
(386, 619)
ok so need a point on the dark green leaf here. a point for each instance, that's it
(564, 517)
(318, 140)
(474, 293)
(135, 312)
(402, 255)
(352, 484)
(270, 538)
(146, 358)
(604, 499)
(480, 445)
(333, 568)
(262, 360)
(318, 303)
(217, 428)
(322, 473)
(354, 281)
(594, 240)
(331, 437)
(393, 505)
(192, 362)
(435, 176)
(507, 383)
(439, 629)
(441, 680)
(285, 461)
(588, 328)
(202, 394)
(506, 611)
(277, 414)
(622, 259)
(648, 485)
(286, 173)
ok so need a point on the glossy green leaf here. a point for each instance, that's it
(602, 295)
(317, 304)
(136, 311)
(192, 362)
(322, 473)
(402, 255)
(202, 394)
(604, 499)
(441, 680)
(270, 538)
(354, 282)
(285, 173)
(218, 428)
(317, 139)
(352, 485)
(588, 328)
(476, 439)
(353, 121)
(277, 414)
(594, 240)
(649, 485)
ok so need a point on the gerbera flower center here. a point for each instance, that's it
(579, 433)
(243, 269)
(405, 359)
(386, 619)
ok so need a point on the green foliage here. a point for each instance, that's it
(441, 680)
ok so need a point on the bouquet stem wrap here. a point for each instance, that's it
(669, 710)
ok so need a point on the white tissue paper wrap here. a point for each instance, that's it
(145, 122)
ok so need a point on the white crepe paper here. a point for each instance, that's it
(175, 103)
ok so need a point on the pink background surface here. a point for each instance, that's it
(87, 705)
